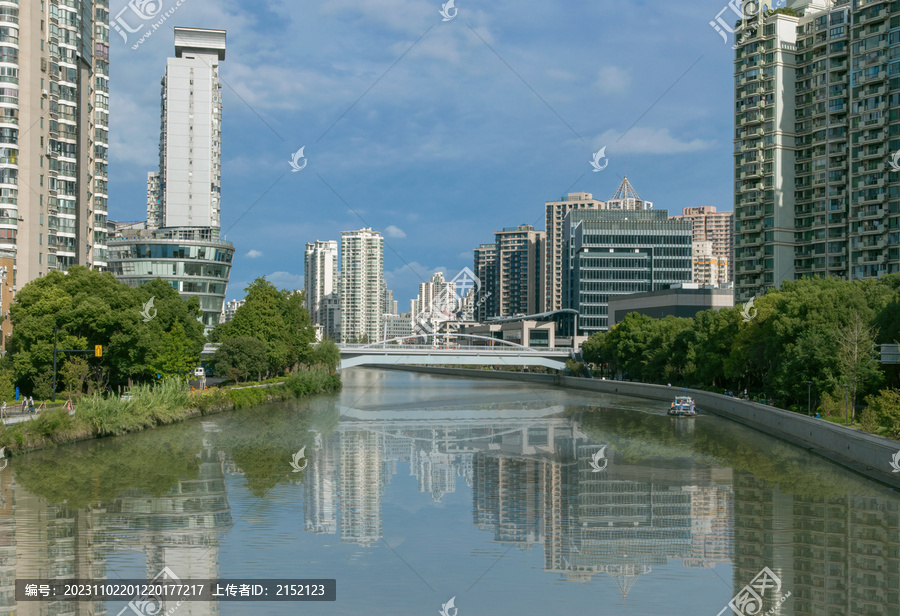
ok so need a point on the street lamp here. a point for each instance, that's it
(808, 398)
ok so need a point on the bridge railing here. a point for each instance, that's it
(428, 347)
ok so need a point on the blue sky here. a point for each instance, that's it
(435, 133)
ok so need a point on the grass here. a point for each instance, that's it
(149, 406)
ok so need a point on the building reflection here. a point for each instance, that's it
(837, 555)
(177, 532)
(533, 484)
(537, 481)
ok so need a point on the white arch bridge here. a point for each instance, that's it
(490, 352)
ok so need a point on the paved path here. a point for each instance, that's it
(15, 418)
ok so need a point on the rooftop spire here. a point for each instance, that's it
(626, 198)
(625, 191)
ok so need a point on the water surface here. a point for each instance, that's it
(513, 499)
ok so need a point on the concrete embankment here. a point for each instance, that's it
(863, 453)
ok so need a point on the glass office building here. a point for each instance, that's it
(194, 261)
(617, 252)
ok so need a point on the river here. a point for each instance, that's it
(426, 495)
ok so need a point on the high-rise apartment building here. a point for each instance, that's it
(230, 309)
(486, 272)
(436, 295)
(436, 303)
(553, 272)
(391, 305)
(718, 229)
(520, 251)
(617, 252)
(362, 273)
(154, 199)
(54, 134)
(816, 194)
(191, 142)
(320, 269)
(707, 269)
(181, 243)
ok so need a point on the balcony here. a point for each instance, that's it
(871, 212)
(753, 117)
(871, 243)
(879, 198)
(870, 229)
(866, 153)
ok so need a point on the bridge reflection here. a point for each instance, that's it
(538, 480)
(533, 485)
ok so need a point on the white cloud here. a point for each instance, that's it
(253, 254)
(408, 15)
(649, 141)
(286, 280)
(392, 231)
(612, 80)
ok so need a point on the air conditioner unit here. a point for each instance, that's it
(44, 92)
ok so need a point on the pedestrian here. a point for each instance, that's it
(31, 403)
(818, 416)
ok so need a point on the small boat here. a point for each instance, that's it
(683, 407)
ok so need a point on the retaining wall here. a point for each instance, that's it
(864, 453)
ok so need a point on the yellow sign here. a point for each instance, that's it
(98, 350)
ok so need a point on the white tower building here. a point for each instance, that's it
(320, 266)
(362, 272)
(191, 138)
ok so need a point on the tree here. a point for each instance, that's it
(7, 387)
(278, 319)
(628, 342)
(299, 330)
(326, 354)
(856, 360)
(240, 357)
(74, 374)
(177, 354)
(884, 409)
(592, 349)
(92, 308)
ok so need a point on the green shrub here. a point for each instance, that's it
(883, 410)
